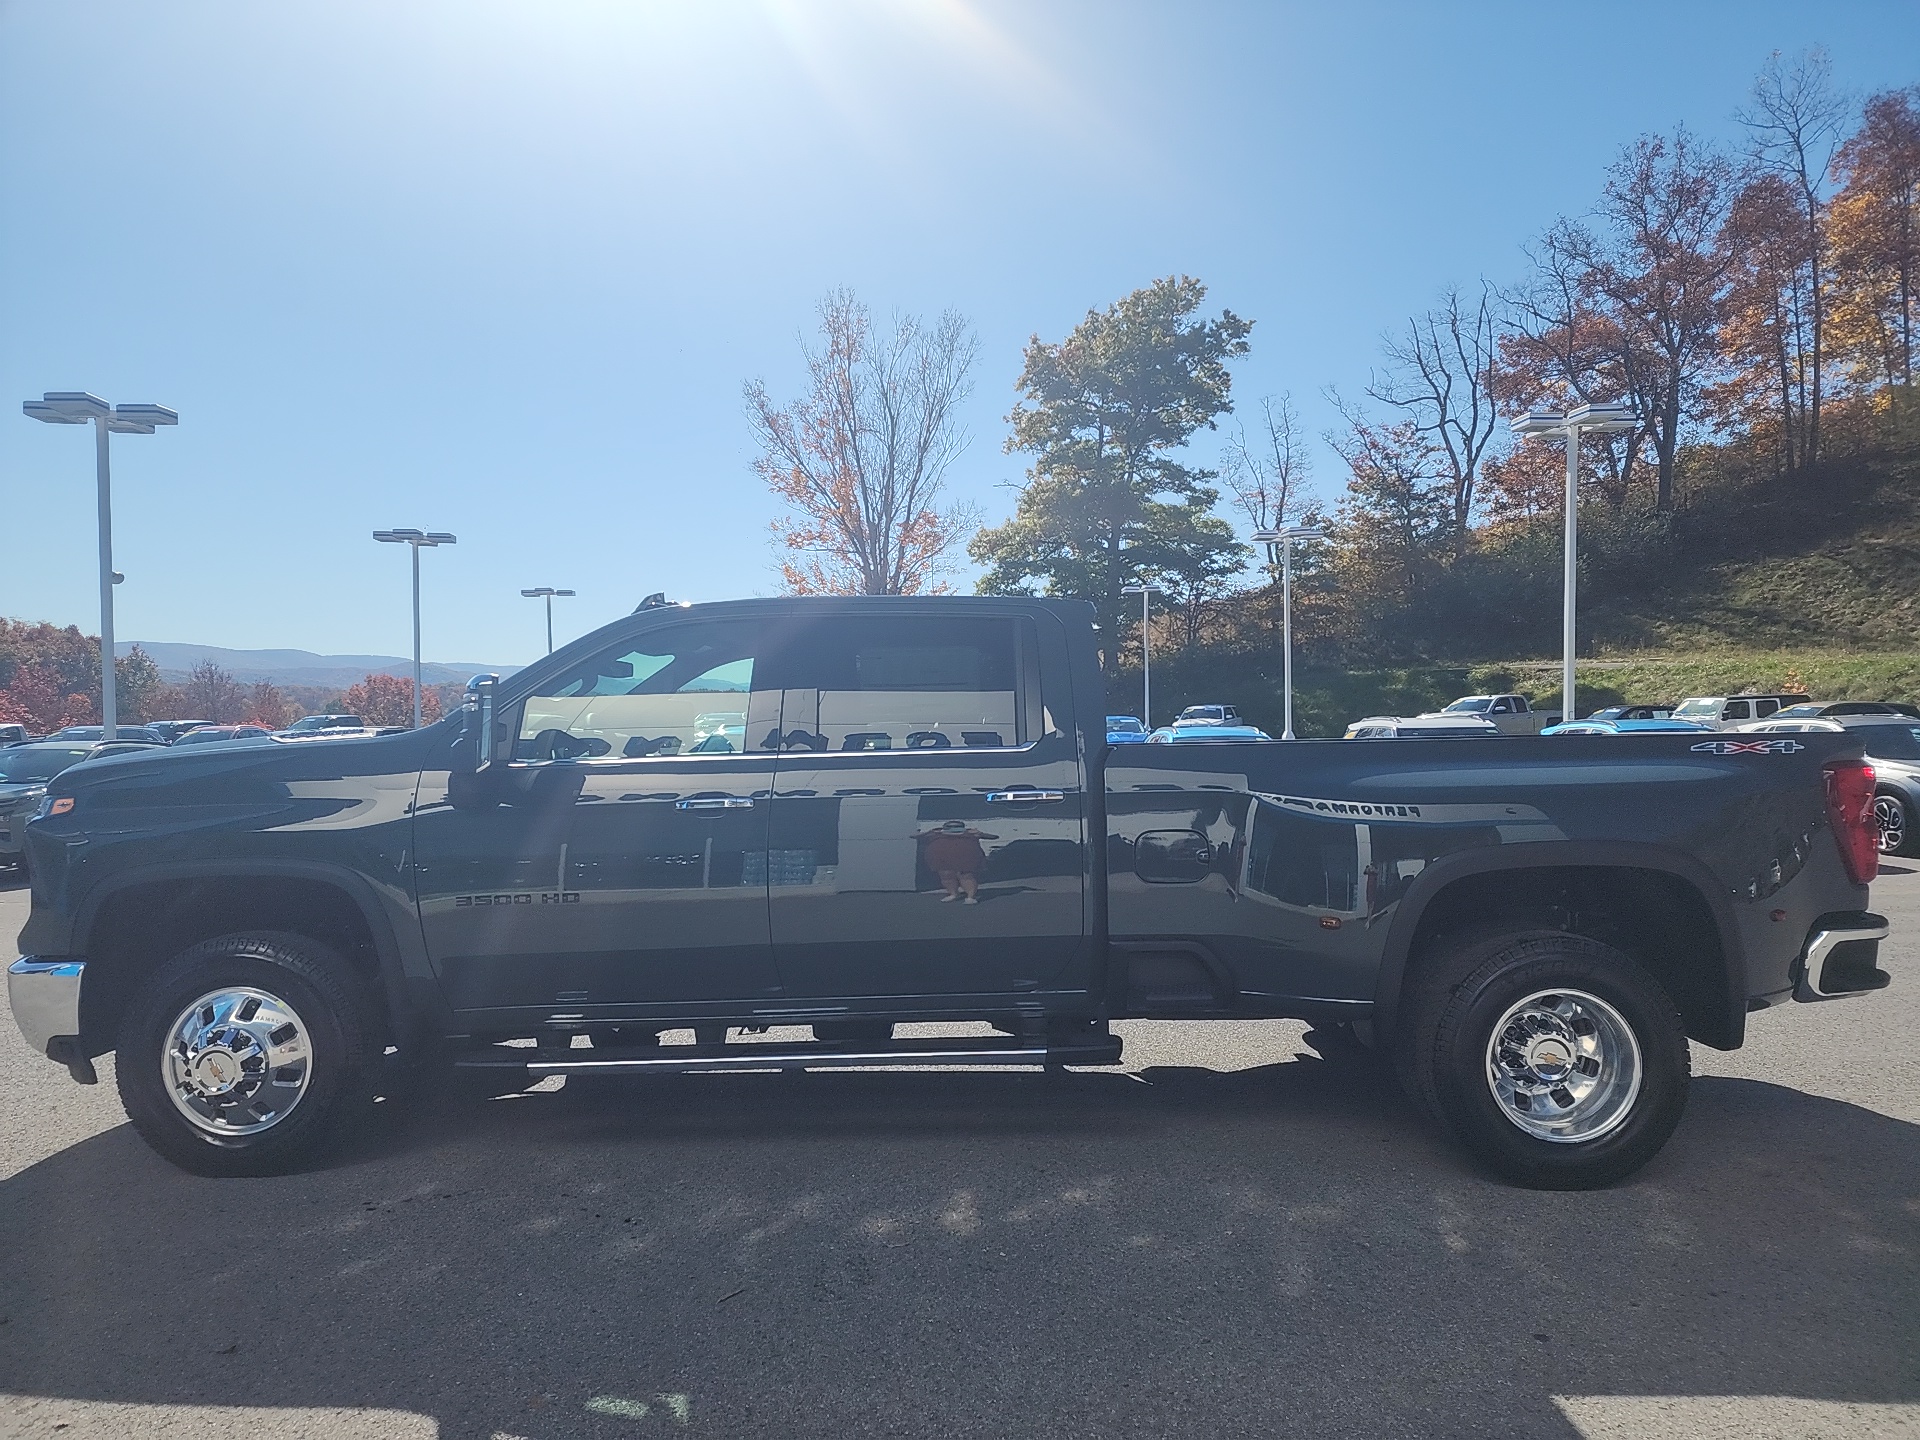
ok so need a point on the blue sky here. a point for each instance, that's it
(502, 269)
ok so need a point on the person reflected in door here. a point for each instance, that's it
(952, 851)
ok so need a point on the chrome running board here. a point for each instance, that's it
(695, 1059)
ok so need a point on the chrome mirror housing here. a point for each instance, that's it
(480, 709)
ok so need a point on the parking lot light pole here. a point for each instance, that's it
(1599, 420)
(77, 407)
(418, 540)
(548, 592)
(1145, 592)
(1283, 538)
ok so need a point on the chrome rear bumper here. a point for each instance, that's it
(1841, 960)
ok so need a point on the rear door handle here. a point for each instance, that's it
(716, 802)
(1025, 797)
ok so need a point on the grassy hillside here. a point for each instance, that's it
(1757, 582)
(1758, 562)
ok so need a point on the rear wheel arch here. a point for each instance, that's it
(133, 927)
(1661, 907)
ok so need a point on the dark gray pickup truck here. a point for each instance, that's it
(700, 830)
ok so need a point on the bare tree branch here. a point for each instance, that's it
(1443, 377)
(862, 458)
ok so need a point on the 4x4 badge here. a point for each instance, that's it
(1748, 747)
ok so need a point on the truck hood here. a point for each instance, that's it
(215, 772)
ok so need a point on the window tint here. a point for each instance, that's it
(1764, 708)
(1891, 742)
(900, 683)
(680, 690)
(1736, 710)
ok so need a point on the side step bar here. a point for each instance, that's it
(709, 1059)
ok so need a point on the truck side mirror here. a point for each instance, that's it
(481, 710)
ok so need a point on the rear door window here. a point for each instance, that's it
(906, 682)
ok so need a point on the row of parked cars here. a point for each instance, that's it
(1890, 730)
(27, 764)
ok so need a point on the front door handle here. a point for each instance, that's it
(716, 802)
(1025, 797)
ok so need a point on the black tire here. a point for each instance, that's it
(1893, 817)
(341, 1048)
(1445, 1043)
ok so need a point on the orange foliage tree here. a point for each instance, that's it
(388, 700)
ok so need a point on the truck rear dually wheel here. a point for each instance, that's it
(1559, 1061)
(240, 1054)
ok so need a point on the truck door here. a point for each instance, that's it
(618, 860)
(928, 822)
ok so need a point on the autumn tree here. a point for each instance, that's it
(1874, 228)
(139, 691)
(1443, 375)
(52, 674)
(1646, 283)
(1105, 414)
(1793, 125)
(1391, 533)
(211, 693)
(267, 706)
(1561, 349)
(1766, 333)
(861, 458)
(388, 700)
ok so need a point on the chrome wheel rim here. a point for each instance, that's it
(237, 1061)
(1891, 816)
(1564, 1066)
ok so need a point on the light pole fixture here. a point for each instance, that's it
(1146, 593)
(548, 592)
(1594, 419)
(77, 407)
(1282, 538)
(417, 539)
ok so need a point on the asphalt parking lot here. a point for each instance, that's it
(1233, 1237)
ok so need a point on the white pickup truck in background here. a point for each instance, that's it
(1510, 714)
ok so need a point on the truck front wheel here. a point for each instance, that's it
(239, 1055)
(1557, 1060)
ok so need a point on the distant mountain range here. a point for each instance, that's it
(298, 667)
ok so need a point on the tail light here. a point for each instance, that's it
(1850, 813)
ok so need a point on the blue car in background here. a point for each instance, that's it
(1593, 725)
(1125, 730)
(1206, 734)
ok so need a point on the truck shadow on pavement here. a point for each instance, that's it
(1278, 1250)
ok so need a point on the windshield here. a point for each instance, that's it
(1697, 707)
(1124, 725)
(1887, 742)
(37, 762)
(1472, 705)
